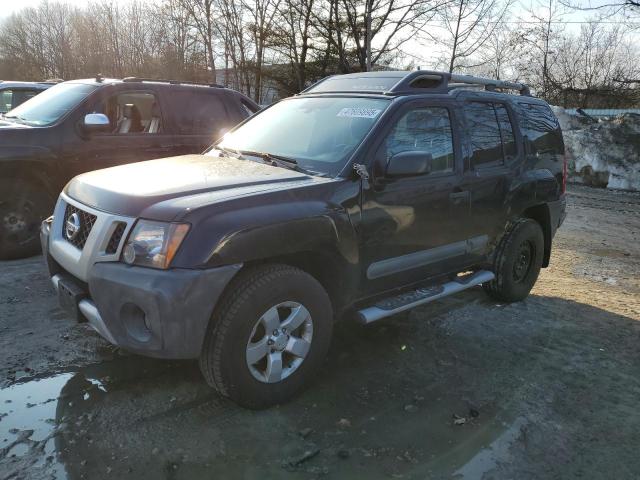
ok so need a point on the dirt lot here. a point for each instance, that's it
(463, 388)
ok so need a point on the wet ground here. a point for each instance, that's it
(463, 388)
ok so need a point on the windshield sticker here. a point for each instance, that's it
(359, 112)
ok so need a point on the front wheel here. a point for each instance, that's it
(518, 259)
(23, 206)
(268, 337)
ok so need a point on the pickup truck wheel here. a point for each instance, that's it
(22, 208)
(268, 337)
(518, 260)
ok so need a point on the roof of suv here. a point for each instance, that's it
(418, 82)
(99, 80)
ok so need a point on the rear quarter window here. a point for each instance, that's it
(541, 127)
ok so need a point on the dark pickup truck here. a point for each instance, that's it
(366, 195)
(84, 125)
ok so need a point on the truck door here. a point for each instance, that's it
(200, 118)
(493, 153)
(413, 227)
(137, 132)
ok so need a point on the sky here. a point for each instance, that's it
(415, 50)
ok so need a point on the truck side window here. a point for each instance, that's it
(425, 130)
(200, 113)
(541, 128)
(6, 101)
(10, 99)
(484, 133)
(506, 128)
(131, 112)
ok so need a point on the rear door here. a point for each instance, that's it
(493, 152)
(199, 117)
(413, 227)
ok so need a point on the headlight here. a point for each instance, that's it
(154, 244)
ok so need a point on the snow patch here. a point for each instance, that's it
(602, 152)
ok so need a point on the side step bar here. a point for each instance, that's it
(408, 300)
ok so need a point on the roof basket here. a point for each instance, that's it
(172, 82)
(398, 82)
(436, 82)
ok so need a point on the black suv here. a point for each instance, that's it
(84, 125)
(367, 194)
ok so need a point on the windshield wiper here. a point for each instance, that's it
(15, 118)
(278, 161)
(269, 156)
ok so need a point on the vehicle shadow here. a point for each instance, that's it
(463, 386)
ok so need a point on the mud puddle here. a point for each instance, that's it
(141, 418)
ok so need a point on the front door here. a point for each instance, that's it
(414, 227)
(137, 132)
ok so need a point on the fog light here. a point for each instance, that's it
(135, 322)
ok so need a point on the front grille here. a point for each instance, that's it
(86, 221)
(116, 237)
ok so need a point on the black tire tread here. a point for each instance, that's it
(239, 291)
(495, 288)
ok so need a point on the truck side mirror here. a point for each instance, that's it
(406, 164)
(96, 123)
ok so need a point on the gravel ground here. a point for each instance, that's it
(463, 388)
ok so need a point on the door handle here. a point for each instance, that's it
(459, 198)
(459, 195)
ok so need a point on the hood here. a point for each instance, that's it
(130, 189)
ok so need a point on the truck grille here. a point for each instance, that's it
(77, 236)
(116, 237)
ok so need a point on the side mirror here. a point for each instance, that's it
(96, 123)
(405, 164)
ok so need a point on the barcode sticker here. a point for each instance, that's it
(359, 112)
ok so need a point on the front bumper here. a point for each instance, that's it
(158, 313)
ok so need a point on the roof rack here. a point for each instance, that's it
(414, 82)
(172, 82)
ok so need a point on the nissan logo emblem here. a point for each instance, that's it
(72, 226)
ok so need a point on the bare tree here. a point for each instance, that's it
(468, 26)
(202, 13)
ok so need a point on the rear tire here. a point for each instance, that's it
(23, 206)
(518, 260)
(268, 337)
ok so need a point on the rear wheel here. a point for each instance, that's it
(268, 337)
(23, 206)
(518, 260)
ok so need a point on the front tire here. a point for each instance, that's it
(268, 336)
(518, 259)
(23, 206)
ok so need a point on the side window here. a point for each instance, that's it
(424, 130)
(506, 129)
(484, 133)
(6, 101)
(199, 113)
(247, 109)
(131, 113)
(541, 127)
(22, 95)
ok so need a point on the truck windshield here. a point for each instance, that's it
(319, 133)
(51, 105)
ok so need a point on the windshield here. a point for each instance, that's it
(51, 105)
(319, 133)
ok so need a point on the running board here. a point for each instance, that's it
(408, 300)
